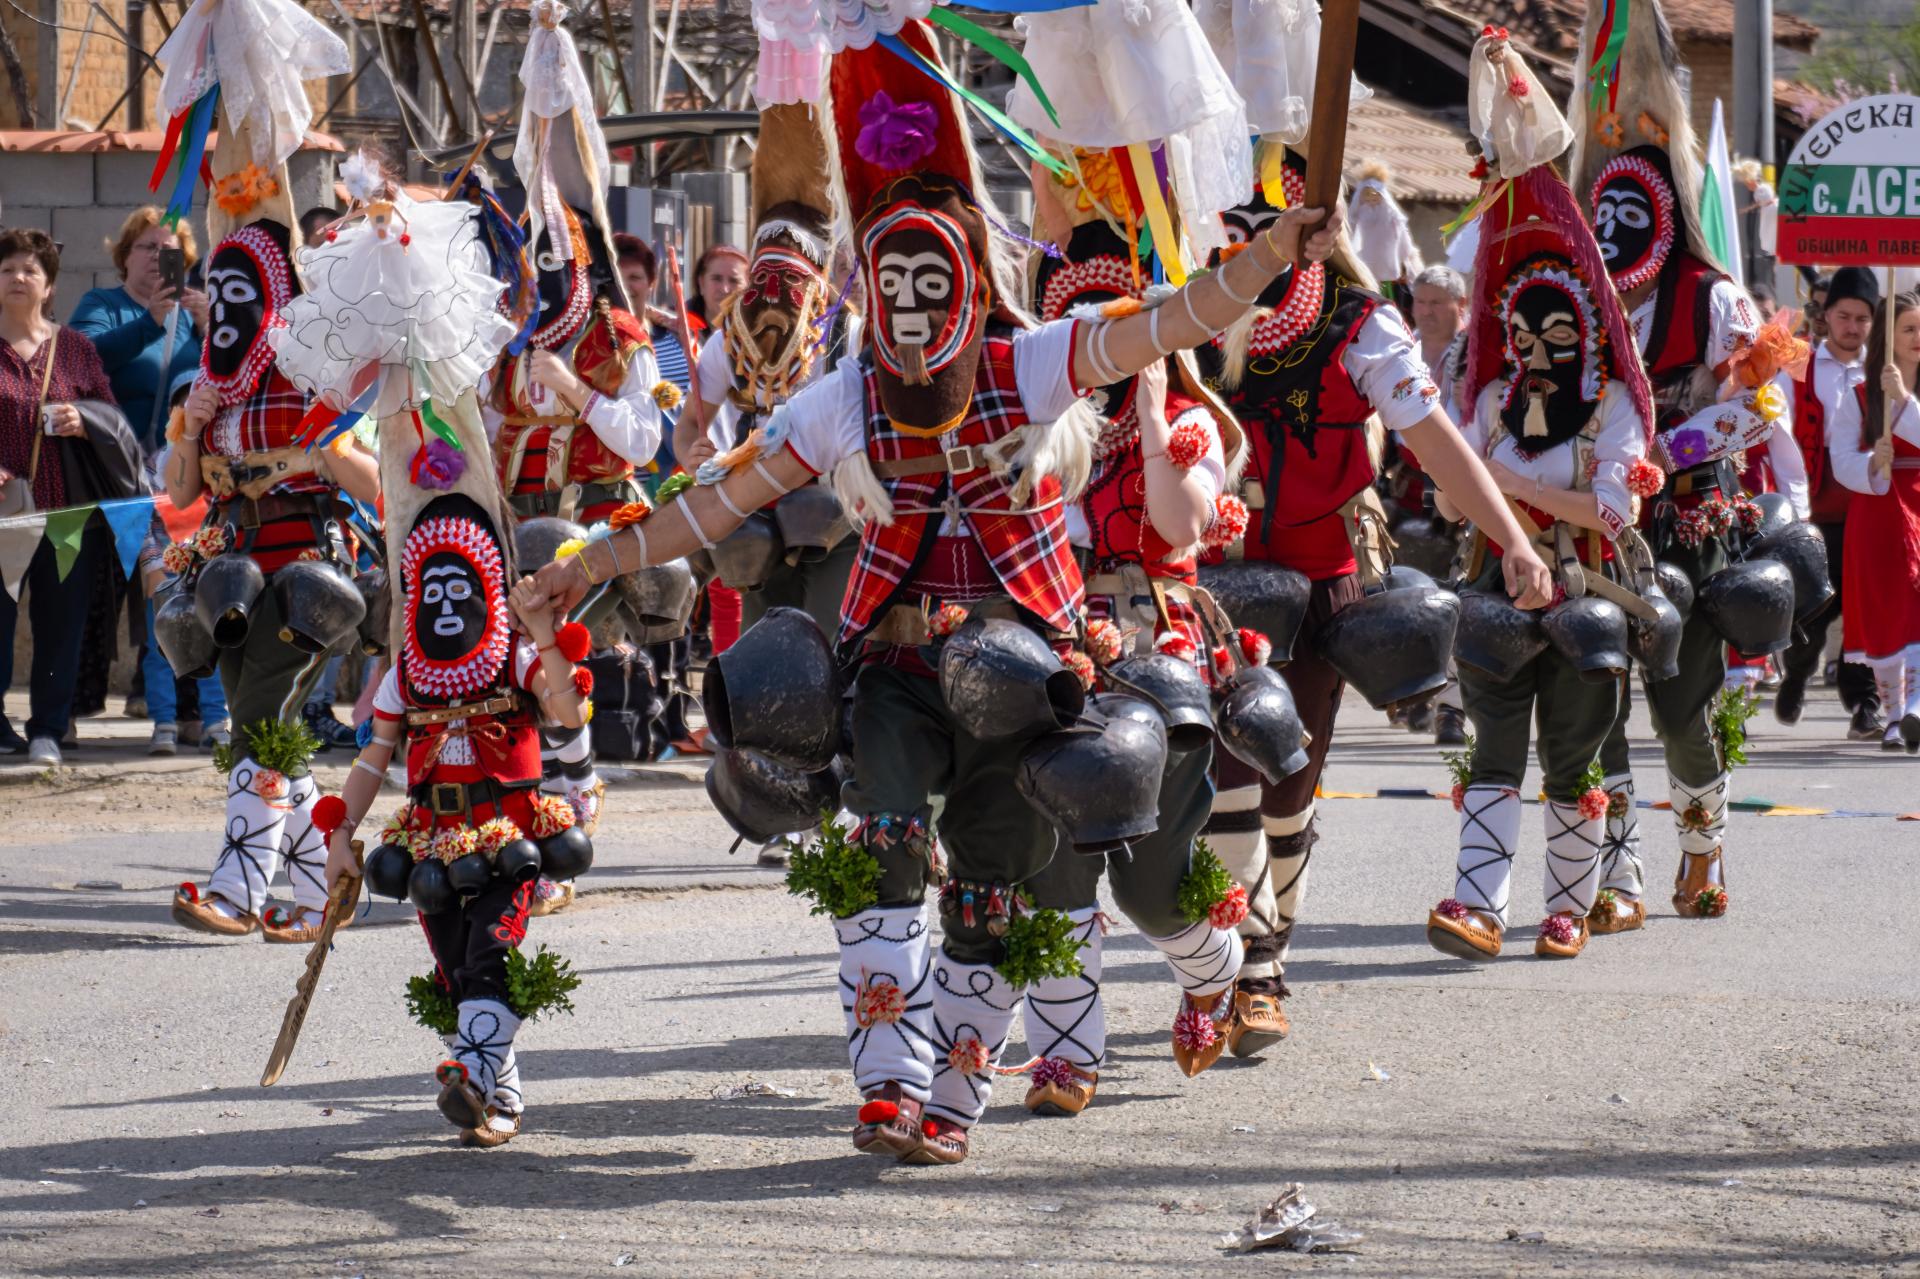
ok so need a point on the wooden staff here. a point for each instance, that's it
(1889, 411)
(1332, 91)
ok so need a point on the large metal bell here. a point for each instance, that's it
(1394, 644)
(1675, 585)
(1175, 689)
(1804, 552)
(658, 596)
(1655, 642)
(536, 540)
(1267, 597)
(744, 558)
(1751, 605)
(776, 692)
(183, 638)
(762, 800)
(319, 605)
(377, 621)
(1099, 782)
(1003, 683)
(1591, 633)
(1260, 725)
(811, 522)
(1426, 543)
(1496, 637)
(225, 595)
(1776, 512)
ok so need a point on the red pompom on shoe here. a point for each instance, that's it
(1187, 444)
(190, 891)
(575, 642)
(1194, 1029)
(1558, 928)
(1452, 908)
(329, 814)
(879, 1111)
(583, 681)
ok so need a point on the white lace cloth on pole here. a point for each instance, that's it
(834, 25)
(260, 52)
(1271, 49)
(429, 303)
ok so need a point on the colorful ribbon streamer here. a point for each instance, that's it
(1159, 221)
(187, 134)
(1610, 40)
(1006, 54)
(998, 118)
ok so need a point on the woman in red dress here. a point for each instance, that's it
(1882, 626)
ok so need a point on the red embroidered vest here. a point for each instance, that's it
(535, 452)
(1115, 505)
(1682, 320)
(1027, 547)
(1827, 496)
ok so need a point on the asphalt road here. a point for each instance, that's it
(1705, 1097)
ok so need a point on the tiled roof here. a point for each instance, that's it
(1553, 26)
(1427, 156)
(86, 142)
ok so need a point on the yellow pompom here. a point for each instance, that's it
(586, 711)
(572, 546)
(666, 395)
(1769, 402)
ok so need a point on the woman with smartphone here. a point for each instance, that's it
(148, 328)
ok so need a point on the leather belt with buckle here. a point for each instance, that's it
(957, 460)
(454, 799)
(466, 710)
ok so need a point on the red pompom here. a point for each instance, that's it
(1517, 87)
(1255, 646)
(1479, 171)
(1229, 521)
(1177, 645)
(329, 814)
(405, 239)
(1593, 803)
(1187, 444)
(583, 681)
(1558, 928)
(332, 236)
(1222, 662)
(878, 1111)
(575, 642)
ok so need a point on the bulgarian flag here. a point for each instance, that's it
(1719, 215)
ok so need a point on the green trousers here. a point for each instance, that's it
(814, 588)
(267, 678)
(1573, 716)
(1681, 707)
(907, 754)
(1146, 885)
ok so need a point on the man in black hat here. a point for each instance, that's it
(1832, 370)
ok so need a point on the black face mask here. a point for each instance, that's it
(1244, 222)
(1545, 334)
(236, 309)
(1634, 225)
(451, 619)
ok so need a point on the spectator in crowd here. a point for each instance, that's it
(314, 223)
(719, 274)
(175, 703)
(1764, 300)
(1816, 309)
(1440, 320)
(51, 382)
(127, 324)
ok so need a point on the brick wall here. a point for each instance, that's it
(1712, 67)
(81, 199)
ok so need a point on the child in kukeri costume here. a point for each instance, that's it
(467, 693)
(1563, 415)
(947, 442)
(270, 573)
(1315, 374)
(1636, 161)
(1161, 459)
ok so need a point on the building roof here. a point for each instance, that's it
(87, 141)
(1427, 157)
(1552, 27)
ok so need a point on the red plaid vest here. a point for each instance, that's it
(1027, 548)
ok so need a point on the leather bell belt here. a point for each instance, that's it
(958, 460)
(465, 710)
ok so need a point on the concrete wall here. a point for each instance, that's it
(81, 200)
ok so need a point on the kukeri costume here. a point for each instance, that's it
(947, 439)
(1559, 398)
(779, 333)
(270, 573)
(1636, 160)
(1142, 601)
(462, 700)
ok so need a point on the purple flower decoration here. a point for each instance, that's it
(438, 465)
(1688, 447)
(896, 135)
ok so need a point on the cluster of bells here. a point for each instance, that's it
(1091, 762)
(1778, 580)
(321, 605)
(433, 885)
